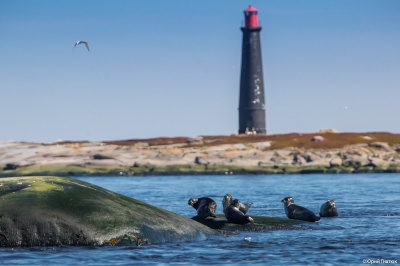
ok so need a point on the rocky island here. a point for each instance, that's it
(39, 209)
(322, 152)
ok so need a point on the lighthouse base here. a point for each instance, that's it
(252, 120)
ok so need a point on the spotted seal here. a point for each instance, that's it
(234, 215)
(294, 211)
(328, 209)
(227, 200)
(205, 206)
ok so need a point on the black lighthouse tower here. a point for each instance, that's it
(251, 101)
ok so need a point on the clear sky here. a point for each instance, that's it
(172, 68)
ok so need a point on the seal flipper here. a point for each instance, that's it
(244, 207)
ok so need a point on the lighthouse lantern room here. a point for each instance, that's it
(250, 16)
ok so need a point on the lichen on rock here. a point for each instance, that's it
(48, 211)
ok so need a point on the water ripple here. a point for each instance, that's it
(368, 225)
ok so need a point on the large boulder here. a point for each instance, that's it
(46, 211)
(382, 145)
(354, 160)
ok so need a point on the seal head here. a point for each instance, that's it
(226, 201)
(296, 212)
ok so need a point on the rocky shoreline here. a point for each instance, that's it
(62, 211)
(261, 154)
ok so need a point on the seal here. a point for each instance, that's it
(227, 200)
(205, 206)
(296, 212)
(328, 209)
(234, 215)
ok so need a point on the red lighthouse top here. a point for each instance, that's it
(250, 16)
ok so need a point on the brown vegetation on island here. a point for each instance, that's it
(321, 152)
(278, 141)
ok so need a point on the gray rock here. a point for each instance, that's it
(238, 146)
(336, 161)
(327, 130)
(261, 145)
(141, 145)
(10, 166)
(137, 164)
(355, 161)
(397, 148)
(50, 211)
(101, 157)
(322, 161)
(195, 141)
(282, 161)
(381, 145)
(310, 157)
(266, 163)
(317, 138)
(298, 159)
(200, 161)
(375, 161)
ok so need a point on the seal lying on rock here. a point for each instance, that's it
(205, 206)
(294, 211)
(328, 209)
(234, 215)
(243, 207)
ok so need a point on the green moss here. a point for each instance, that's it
(393, 169)
(275, 221)
(192, 170)
(76, 212)
(260, 223)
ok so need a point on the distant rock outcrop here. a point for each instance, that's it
(291, 153)
(317, 138)
(327, 130)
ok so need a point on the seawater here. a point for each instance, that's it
(367, 230)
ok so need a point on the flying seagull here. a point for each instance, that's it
(84, 42)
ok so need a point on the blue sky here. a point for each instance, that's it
(172, 68)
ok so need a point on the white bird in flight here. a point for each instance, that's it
(84, 42)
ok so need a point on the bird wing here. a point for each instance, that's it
(87, 45)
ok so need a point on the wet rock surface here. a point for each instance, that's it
(261, 223)
(49, 211)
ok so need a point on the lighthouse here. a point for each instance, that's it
(251, 96)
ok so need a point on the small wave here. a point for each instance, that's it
(329, 248)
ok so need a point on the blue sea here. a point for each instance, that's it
(367, 230)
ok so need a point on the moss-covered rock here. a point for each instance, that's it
(261, 223)
(43, 211)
